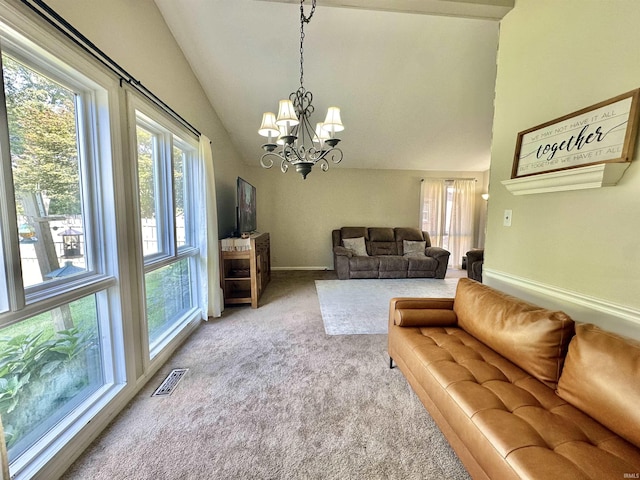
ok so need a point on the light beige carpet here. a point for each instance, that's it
(269, 395)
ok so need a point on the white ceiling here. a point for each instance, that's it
(415, 90)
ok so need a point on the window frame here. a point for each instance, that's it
(189, 175)
(163, 197)
(86, 101)
(141, 113)
(101, 159)
(120, 283)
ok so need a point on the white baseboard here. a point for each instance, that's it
(302, 268)
(582, 308)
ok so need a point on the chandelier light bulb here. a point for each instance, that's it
(287, 114)
(333, 123)
(268, 128)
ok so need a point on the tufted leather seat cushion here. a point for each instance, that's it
(513, 425)
(532, 337)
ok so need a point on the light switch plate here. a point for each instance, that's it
(507, 218)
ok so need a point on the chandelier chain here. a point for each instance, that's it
(304, 19)
(302, 146)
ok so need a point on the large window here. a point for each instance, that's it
(42, 116)
(56, 338)
(99, 260)
(166, 165)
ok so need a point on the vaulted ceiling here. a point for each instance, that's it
(414, 78)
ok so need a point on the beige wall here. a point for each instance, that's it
(134, 34)
(555, 58)
(293, 211)
(300, 214)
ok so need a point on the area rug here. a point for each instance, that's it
(361, 306)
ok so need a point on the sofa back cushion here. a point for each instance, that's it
(381, 234)
(601, 377)
(534, 338)
(354, 232)
(409, 234)
(381, 241)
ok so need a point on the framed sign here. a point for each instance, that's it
(604, 132)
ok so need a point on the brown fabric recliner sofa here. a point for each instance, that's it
(385, 254)
(475, 259)
(515, 392)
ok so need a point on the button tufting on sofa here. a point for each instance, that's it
(496, 399)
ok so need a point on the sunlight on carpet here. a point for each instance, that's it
(361, 306)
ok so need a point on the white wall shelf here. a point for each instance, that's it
(591, 176)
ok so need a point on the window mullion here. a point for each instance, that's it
(168, 208)
(189, 207)
(85, 124)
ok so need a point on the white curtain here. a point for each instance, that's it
(433, 207)
(210, 292)
(461, 224)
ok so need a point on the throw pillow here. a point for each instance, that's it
(356, 245)
(413, 249)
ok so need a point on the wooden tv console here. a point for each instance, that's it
(245, 268)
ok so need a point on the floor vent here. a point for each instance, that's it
(170, 383)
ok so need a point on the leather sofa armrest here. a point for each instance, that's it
(339, 250)
(422, 312)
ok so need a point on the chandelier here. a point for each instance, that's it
(300, 144)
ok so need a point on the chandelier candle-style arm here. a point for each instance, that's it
(302, 160)
(321, 135)
(292, 127)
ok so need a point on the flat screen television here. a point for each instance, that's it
(246, 207)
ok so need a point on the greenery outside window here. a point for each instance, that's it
(163, 310)
(45, 373)
(166, 165)
(57, 315)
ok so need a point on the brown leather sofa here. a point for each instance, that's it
(385, 254)
(520, 391)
